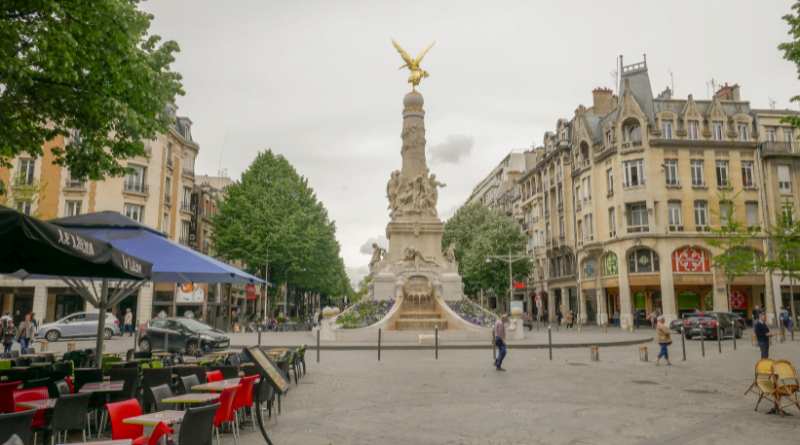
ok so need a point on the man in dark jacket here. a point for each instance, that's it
(762, 334)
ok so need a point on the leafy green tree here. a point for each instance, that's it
(733, 239)
(785, 249)
(362, 288)
(89, 67)
(273, 210)
(477, 233)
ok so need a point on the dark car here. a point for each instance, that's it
(742, 322)
(183, 334)
(707, 325)
(676, 324)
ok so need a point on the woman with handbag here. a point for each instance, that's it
(664, 340)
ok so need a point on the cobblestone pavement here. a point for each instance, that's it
(411, 398)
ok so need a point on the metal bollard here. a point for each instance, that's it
(594, 353)
(719, 339)
(317, 346)
(379, 344)
(259, 336)
(70, 347)
(683, 344)
(605, 328)
(166, 342)
(43, 346)
(579, 328)
(550, 341)
(702, 342)
(436, 341)
(643, 354)
(631, 329)
(538, 321)
(753, 341)
(733, 325)
(494, 349)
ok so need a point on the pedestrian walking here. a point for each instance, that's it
(25, 333)
(127, 325)
(559, 316)
(317, 317)
(545, 316)
(4, 319)
(756, 314)
(9, 335)
(499, 336)
(784, 315)
(762, 334)
(653, 318)
(663, 338)
(616, 317)
(570, 316)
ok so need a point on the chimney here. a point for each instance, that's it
(727, 92)
(602, 101)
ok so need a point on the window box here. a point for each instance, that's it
(676, 228)
(638, 229)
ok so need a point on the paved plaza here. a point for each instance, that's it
(411, 398)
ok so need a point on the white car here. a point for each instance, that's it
(80, 324)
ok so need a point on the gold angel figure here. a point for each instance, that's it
(416, 73)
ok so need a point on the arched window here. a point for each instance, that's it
(589, 268)
(635, 133)
(643, 261)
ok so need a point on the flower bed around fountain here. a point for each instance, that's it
(364, 314)
(472, 314)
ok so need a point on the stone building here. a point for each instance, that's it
(620, 197)
(161, 195)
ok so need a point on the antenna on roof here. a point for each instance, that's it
(672, 82)
(771, 103)
(219, 168)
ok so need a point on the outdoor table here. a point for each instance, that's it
(21, 368)
(38, 404)
(217, 386)
(114, 386)
(110, 353)
(108, 442)
(192, 398)
(279, 350)
(220, 353)
(44, 353)
(162, 354)
(106, 378)
(168, 417)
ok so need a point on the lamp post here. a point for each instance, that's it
(510, 259)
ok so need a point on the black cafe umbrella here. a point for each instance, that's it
(29, 246)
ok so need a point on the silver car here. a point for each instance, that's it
(79, 324)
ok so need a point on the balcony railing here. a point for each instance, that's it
(183, 241)
(585, 164)
(74, 184)
(136, 188)
(612, 234)
(638, 229)
(676, 228)
(167, 198)
(779, 148)
(673, 183)
(186, 206)
(702, 228)
(170, 163)
(188, 172)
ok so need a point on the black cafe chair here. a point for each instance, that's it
(197, 426)
(18, 424)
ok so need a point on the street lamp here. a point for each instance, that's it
(510, 259)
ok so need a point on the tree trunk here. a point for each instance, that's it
(791, 301)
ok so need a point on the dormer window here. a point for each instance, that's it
(634, 133)
(187, 132)
(693, 130)
(717, 126)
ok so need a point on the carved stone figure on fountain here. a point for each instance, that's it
(377, 255)
(413, 257)
(450, 258)
(392, 187)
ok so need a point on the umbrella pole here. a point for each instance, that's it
(101, 323)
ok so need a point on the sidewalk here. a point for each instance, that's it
(589, 336)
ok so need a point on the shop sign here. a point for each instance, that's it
(194, 200)
(709, 300)
(688, 299)
(738, 300)
(690, 260)
(610, 264)
(188, 293)
(251, 292)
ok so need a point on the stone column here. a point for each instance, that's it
(625, 306)
(772, 298)
(582, 303)
(720, 298)
(144, 308)
(668, 293)
(565, 300)
(40, 300)
(551, 304)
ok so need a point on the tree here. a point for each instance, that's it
(86, 67)
(26, 194)
(273, 210)
(477, 233)
(785, 249)
(363, 288)
(733, 240)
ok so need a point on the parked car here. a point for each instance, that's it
(676, 324)
(706, 325)
(80, 324)
(182, 335)
(734, 316)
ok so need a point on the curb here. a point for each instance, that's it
(412, 347)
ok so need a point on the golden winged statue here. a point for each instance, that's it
(416, 73)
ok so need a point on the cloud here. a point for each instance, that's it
(366, 248)
(355, 274)
(454, 149)
(445, 215)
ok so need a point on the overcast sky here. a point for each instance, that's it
(319, 82)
